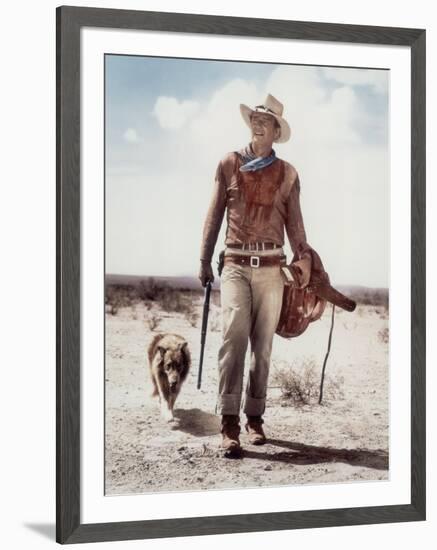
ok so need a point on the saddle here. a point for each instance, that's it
(302, 306)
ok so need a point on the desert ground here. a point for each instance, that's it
(345, 439)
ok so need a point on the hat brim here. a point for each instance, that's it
(246, 113)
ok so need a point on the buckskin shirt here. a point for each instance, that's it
(259, 205)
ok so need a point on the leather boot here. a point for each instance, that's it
(231, 430)
(255, 430)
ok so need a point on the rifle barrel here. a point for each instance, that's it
(203, 333)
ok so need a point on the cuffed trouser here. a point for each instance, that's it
(251, 301)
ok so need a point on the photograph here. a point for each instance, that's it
(247, 274)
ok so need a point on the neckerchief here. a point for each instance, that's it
(252, 163)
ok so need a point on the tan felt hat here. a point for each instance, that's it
(271, 106)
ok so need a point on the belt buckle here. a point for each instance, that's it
(254, 261)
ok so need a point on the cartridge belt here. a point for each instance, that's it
(255, 246)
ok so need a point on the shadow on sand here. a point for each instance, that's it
(298, 453)
(200, 423)
(197, 422)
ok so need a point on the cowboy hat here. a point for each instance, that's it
(273, 107)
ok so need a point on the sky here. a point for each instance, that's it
(169, 121)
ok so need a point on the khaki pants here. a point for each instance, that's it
(251, 301)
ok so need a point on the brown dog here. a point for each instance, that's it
(169, 363)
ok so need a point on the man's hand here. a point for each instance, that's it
(302, 270)
(206, 274)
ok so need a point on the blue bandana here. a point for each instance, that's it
(252, 163)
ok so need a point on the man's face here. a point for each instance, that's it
(264, 130)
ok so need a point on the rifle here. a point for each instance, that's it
(203, 333)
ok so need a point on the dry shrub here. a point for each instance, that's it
(383, 314)
(153, 322)
(370, 296)
(383, 335)
(118, 296)
(300, 382)
(192, 318)
(149, 290)
(174, 300)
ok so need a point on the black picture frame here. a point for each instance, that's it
(70, 20)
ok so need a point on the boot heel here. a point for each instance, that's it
(255, 430)
(230, 431)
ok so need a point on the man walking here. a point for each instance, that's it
(260, 194)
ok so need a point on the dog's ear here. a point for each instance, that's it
(185, 352)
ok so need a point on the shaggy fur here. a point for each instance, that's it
(169, 364)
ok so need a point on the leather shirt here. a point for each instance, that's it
(259, 205)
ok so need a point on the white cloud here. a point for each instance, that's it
(313, 116)
(377, 79)
(219, 127)
(174, 114)
(131, 136)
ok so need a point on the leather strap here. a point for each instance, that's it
(254, 246)
(255, 261)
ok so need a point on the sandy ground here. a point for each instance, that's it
(345, 439)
